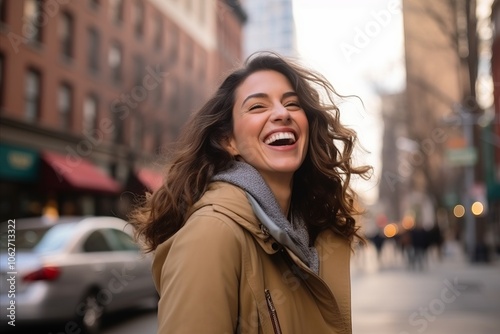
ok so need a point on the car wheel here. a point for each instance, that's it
(91, 315)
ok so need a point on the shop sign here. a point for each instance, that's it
(18, 164)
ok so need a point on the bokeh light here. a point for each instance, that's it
(408, 222)
(390, 230)
(459, 210)
(477, 208)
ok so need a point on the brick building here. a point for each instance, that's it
(91, 91)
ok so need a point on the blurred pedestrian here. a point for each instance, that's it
(378, 240)
(419, 244)
(253, 226)
(436, 240)
(403, 241)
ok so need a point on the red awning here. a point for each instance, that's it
(78, 173)
(149, 178)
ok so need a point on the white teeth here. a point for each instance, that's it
(280, 135)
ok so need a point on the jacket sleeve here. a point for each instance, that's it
(199, 283)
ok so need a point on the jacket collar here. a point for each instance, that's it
(232, 201)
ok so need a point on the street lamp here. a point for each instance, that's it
(465, 156)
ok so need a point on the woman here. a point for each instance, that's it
(252, 228)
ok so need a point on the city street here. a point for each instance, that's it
(449, 296)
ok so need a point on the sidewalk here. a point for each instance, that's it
(449, 296)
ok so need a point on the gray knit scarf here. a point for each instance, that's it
(293, 234)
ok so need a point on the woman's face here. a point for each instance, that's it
(270, 130)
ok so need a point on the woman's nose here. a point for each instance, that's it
(280, 113)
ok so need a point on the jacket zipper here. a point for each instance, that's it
(272, 313)
(303, 274)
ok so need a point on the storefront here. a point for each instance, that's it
(34, 183)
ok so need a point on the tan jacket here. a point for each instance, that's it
(221, 273)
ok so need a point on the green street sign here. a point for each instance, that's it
(461, 156)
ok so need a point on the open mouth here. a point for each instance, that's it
(280, 139)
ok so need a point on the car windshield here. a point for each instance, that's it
(55, 238)
(40, 239)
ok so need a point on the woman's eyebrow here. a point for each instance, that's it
(252, 96)
(288, 94)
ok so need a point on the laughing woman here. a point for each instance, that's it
(253, 226)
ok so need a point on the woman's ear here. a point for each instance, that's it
(229, 145)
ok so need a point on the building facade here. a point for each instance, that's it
(270, 27)
(93, 91)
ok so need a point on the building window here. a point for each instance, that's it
(115, 62)
(32, 28)
(202, 67)
(189, 55)
(137, 133)
(190, 58)
(94, 4)
(158, 39)
(174, 45)
(90, 115)
(32, 96)
(157, 136)
(64, 102)
(173, 107)
(66, 35)
(3, 11)
(139, 67)
(93, 50)
(158, 94)
(116, 11)
(139, 18)
(118, 122)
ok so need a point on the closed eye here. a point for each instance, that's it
(255, 107)
(292, 105)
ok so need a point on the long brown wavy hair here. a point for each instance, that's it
(321, 194)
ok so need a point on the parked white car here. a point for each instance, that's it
(72, 269)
